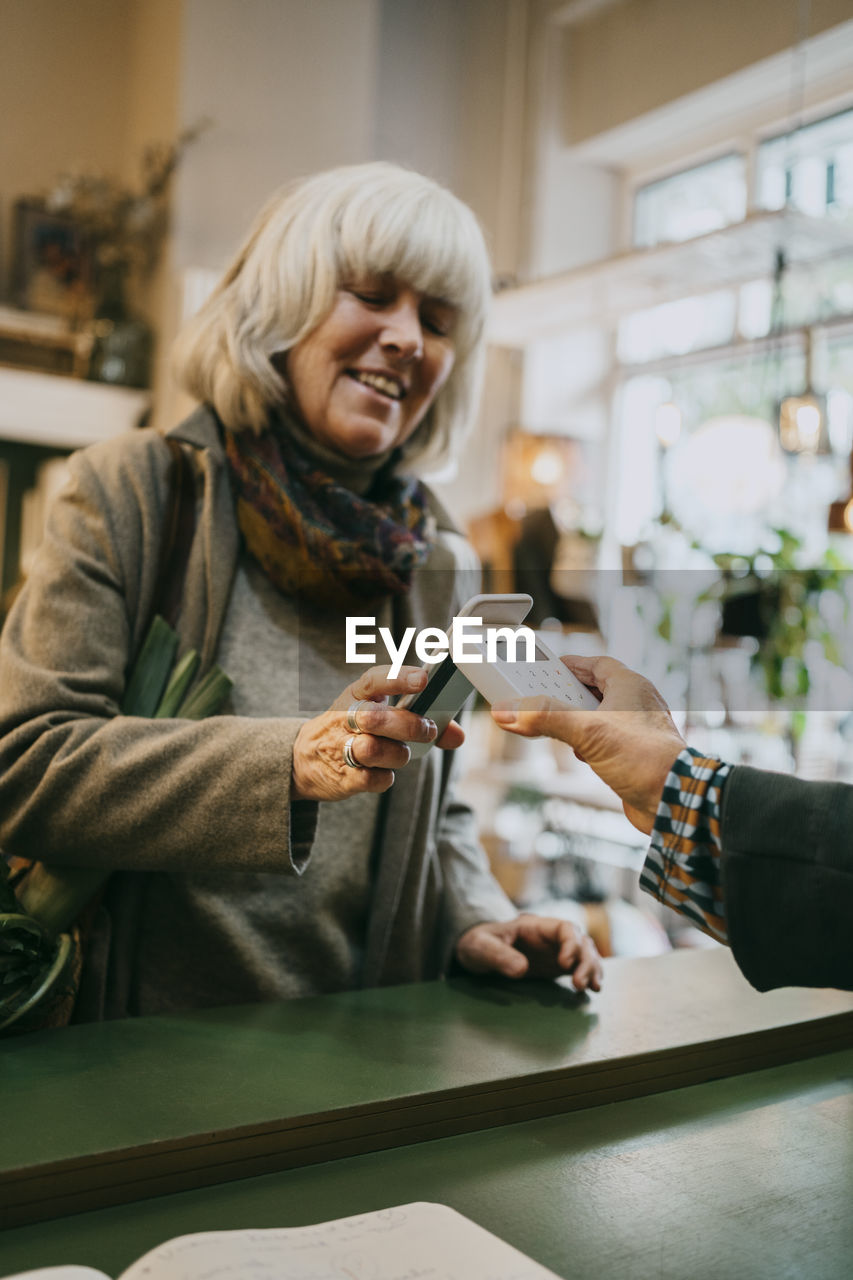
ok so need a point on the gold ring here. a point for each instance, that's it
(349, 758)
(352, 716)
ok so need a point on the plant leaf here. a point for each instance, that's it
(176, 689)
(151, 670)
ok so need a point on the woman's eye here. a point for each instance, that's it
(373, 297)
(438, 324)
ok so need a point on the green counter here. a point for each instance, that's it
(505, 1091)
(748, 1178)
(116, 1112)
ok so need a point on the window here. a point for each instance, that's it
(676, 328)
(810, 169)
(691, 203)
(694, 367)
(724, 385)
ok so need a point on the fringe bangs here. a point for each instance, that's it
(425, 237)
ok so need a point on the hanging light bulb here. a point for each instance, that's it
(841, 512)
(848, 516)
(547, 467)
(802, 418)
(841, 516)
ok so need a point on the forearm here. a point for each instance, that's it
(471, 893)
(154, 795)
(79, 782)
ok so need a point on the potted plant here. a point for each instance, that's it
(773, 597)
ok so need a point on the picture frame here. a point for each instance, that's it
(51, 262)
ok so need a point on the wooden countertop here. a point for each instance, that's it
(102, 1114)
(746, 1177)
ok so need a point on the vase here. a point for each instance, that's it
(124, 343)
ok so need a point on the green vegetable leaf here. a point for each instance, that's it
(151, 671)
(176, 690)
(208, 697)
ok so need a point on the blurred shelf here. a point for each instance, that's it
(582, 785)
(64, 413)
(43, 415)
(44, 343)
(603, 292)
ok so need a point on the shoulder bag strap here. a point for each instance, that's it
(178, 532)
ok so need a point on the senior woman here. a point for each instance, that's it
(289, 847)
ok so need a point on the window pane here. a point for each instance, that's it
(676, 328)
(755, 308)
(743, 384)
(838, 372)
(743, 387)
(813, 166)
(809, 294)
(691, 203)
(638, 495)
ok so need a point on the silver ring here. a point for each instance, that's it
(352, 716)
(349, 758)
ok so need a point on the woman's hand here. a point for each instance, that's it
(531, 947)
(630, 741)
(377, 738)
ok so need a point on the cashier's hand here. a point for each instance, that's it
(630, 740)
(531, 947)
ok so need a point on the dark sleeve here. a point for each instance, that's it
(788, 879)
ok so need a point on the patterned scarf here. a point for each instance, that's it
(316, 539)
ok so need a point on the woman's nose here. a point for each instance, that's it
(402, 332)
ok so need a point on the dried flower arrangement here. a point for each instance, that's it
(125, 226)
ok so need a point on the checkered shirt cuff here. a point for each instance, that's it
(682, 867)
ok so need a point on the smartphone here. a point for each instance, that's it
(448, 687)
(508, 675)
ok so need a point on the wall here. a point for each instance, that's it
(153, 71)
(418, 90)
(339, 81)
(63, 95)
(290, 88)
(152, 116)
(637, 55)
(573, 218)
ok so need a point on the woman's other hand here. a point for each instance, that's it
(362, 723)
(630, 741)
(531, 947)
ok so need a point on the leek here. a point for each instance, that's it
(146, 684)
(181, 679)
(208, 696)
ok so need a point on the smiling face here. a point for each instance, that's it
(363, 380)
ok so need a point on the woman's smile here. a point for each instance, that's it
(384, 384)
(365, 378)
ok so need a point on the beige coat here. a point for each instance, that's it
(81, 784)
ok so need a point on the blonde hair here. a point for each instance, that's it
(311, 236)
